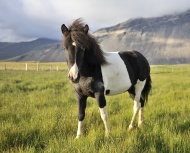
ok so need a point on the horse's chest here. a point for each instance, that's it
(87, 86)
(115, 75)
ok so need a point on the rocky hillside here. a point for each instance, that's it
(45, 53)
(163, 40)
(11, 50)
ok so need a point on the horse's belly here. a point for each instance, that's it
(115, 75)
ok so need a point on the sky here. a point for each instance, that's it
(25, 20)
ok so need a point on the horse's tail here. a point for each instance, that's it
(146, 88)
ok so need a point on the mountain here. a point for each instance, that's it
(45, 53)
(10, 50)
(163, 40)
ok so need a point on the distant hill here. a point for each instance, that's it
(46, 53)
(163, 40)
(10, 50)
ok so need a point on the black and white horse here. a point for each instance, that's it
(95, 73)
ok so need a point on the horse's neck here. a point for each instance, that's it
(90, 70)
(92, 67)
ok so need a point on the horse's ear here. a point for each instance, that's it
(64, 30)
(86, 28)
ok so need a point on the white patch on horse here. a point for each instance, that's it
(74, 71)
(115, 74)
(104, 116)
(74, 44)
(79, 131)
(138, 89)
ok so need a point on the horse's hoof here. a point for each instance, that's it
(107, 135)
(130, 129)
(77, 137)
(140, 126)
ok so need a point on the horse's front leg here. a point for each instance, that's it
(100, 97)
(81, 113)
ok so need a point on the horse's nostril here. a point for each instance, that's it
(70, 78)
(73, 80)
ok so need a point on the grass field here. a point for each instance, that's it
(38, 113)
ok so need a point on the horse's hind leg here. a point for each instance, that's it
(141, 113)
(137, 104)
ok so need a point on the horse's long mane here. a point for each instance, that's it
(82, 39)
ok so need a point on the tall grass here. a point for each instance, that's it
(38, 113)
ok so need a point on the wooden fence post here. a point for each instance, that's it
(26, 67)
(5, 67)
(37, 66)
(57, 68)
(51, 68)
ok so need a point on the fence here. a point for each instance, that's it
(170, 69)
(33, 66)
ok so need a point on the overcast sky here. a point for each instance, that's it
(24, 20)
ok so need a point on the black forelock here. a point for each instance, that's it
(78, 35)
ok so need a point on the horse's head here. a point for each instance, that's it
(74, 48)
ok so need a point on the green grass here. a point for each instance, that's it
(38, 113)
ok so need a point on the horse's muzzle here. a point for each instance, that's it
(74, 79)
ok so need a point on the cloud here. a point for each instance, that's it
(26, 20)
(29, 19)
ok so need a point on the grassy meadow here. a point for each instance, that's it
(38, 113)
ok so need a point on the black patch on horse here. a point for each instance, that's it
(136, 64)
(107, 92)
